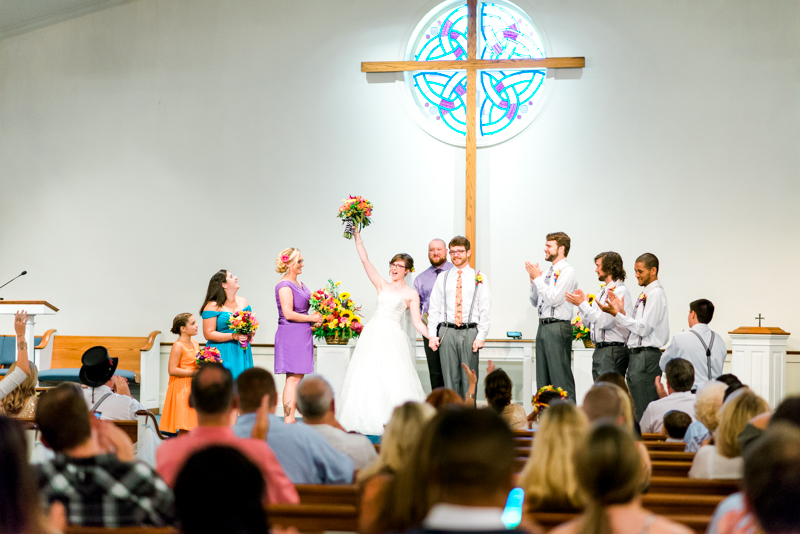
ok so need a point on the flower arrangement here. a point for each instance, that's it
(537, 400)
(355, 210)
(244, 323)
(579, 330)
(208, 355)
(341, 319)
(479, 277)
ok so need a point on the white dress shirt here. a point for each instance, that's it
(686, 345)
(649, 322)
(444, 517)
(116, 407)
(359, 448)
(709, 463)
(548, 293)
(603, 327)
(653, 417)
(443, 308)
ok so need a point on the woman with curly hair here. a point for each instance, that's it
(294, 346)
(21, 402)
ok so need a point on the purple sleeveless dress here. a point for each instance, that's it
(294, 346)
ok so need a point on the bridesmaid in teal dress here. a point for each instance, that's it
(222, 301)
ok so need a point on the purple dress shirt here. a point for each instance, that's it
(424, 284)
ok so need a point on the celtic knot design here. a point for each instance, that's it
(504, 97)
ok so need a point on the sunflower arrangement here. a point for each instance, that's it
(579, 330)
(340, 317)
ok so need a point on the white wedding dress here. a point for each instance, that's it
(381, 373)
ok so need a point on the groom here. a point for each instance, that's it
(458, 317)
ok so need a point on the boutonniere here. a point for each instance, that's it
(642, 298)
(590, 298)
(479, 277)
(557, 274)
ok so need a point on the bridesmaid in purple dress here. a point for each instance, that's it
(294, 347)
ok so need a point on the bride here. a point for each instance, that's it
(381, 374)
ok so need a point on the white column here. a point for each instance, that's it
(331, 363)
(581, 370)
(759, 360)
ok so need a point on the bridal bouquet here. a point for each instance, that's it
(340, 318)
(244, 323)
(208, 355)
(355, 211)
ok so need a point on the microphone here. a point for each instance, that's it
(23, 273)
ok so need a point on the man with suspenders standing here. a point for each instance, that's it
(649, 331)
(548, 294)
(458, 317)
(700, 345)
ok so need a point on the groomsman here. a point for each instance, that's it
(458, 317)
(548, 294)
(610, 340)
(649, 331)
(700, 345)
(437, 254)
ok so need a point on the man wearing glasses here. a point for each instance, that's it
(458, 317)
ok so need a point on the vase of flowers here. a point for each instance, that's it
(340, 318)
(581, 332)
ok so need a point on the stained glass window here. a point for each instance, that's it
(507, 99)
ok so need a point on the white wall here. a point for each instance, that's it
(135, 140)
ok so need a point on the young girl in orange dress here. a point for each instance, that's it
(182, 366)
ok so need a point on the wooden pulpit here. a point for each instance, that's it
(759, 360)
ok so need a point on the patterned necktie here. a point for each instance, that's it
(458, 300)
(594, 329)
(437, 271)
(546, 282)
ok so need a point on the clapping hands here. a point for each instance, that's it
(613, 305)
(576, 298)
(533, 270)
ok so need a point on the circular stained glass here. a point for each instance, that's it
(508, 100)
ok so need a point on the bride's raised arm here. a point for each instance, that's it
(416, 319)
(372, 272)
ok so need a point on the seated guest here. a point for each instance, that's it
(315, 402)
(401, 436)
(729, 380)
(459, 478)
(442, 397)
(788, 410)
(20, 510)
(304, 454)
(499, 390)
(21, 402)
(106, 393)
(611, 478)
(707, 403)
(238, 490)
(22, 370)
(678, 396)
(213, 399)
(548, 477)
(98, 487)
(607, 401)
(723, 459)
(543, 398)
(617, 379)
(675, 424)
(733, 515)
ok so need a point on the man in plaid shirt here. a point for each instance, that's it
(95, 474)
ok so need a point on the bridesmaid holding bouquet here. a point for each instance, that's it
(178, 415)
(221, 302)
(294, 347)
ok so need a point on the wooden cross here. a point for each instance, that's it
(760, 319)
(472, 66)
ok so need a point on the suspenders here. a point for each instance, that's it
(444, 299)
(707, 347)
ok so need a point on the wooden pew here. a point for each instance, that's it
(664, 446)
(670, 504)
(328, 494)
(74, 529)
(671, 456)
(670, 468)
(132, 427)
(139, 357)
(693, 486)
(312, 518)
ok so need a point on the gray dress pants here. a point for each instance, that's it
(606, 359)
(642, 372)
(554, 357)
(456, 348)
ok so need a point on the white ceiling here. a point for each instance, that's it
(20, 16)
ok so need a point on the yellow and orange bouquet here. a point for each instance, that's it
(355, 211)
(579, 330)
(340, 317)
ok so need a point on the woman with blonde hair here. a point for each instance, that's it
(294, 346)
(611, 477)
(21, 402)
(397, 445)
(549, 477)
(723, 459)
